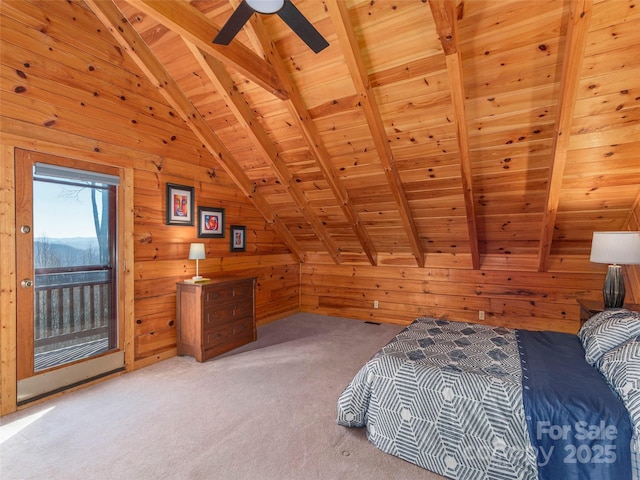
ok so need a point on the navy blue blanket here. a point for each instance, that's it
(578, 426)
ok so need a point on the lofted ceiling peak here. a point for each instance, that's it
(429, 133)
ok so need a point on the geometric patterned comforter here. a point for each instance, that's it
(446, 396)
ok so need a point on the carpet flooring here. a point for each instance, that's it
(265, 411)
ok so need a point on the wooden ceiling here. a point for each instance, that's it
(490, 132)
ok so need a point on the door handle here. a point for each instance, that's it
(26, 283)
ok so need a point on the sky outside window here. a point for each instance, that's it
(62, 211)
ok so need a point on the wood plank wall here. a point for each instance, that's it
(81, 98)
(77, 95)
(161, 251)
(518, 299)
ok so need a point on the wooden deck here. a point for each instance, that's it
(66, 355)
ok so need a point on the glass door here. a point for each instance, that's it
(68, 312)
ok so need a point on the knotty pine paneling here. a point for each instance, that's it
(528, 300)
(162, 250)
(68, 88)
(69, 97)
(161, 253)
(277, 295)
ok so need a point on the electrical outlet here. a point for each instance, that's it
(375, 304)
(481, 315)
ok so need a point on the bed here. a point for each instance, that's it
(471, 401)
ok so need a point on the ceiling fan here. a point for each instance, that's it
(285, 9)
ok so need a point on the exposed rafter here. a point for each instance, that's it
(217, 74)
(349, 43)
(129, 39)
(195, 27)
(191, 31)
(575, 43)
(444, 15)
(299, 112)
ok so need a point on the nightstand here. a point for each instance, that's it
(589, 308)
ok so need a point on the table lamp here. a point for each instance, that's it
(196, 252)
(616, 249)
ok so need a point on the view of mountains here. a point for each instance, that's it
(81, 243)
(65, 252)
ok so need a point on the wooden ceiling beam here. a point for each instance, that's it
(347, 38)
(300, 114)
(444, 15)
(574, 48)
(194, 26)
(192, 31)
(129, 39)
(223, 82)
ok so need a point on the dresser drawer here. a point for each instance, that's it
(221, 315)
(244, 329)
(222, 339)
(218, 294)
(215, 337)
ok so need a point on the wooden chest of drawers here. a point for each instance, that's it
(215, 316)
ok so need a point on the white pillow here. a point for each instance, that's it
(607, 330)
(596, 320)
(621, 368)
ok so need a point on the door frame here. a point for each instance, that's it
(9, 282)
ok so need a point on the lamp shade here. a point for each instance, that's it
(266, 6)
(196, 251)
(621, 248)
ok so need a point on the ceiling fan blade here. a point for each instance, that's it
(301, 26)
(236, 21)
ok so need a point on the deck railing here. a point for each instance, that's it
(72, 305)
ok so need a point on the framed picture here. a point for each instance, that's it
(210, 222)
(180, 201)
(238, 240)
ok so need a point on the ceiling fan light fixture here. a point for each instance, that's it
(266, 6)
(285, 9)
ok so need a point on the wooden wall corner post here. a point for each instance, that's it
(632, 272)
(8, 373)
(128, 265)
(632, 276)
